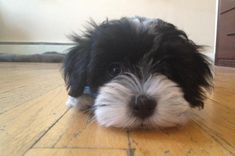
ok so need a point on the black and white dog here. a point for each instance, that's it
(142, 73)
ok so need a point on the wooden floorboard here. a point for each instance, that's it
(74, 151)
(34, 120)
(76, 130)
(188, 140)
(23, 83)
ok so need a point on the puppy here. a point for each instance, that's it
(141, 73)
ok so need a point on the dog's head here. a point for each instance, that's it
(146, 72)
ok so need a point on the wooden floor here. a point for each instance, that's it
(35, 122)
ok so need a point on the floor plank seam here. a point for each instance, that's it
(75, 147)
(205, 128)
(12, 108)
(58, 139)
(215, 138)
(47, 130)
(217, 102)
(88, 122)
(130, 151)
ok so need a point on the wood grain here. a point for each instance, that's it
(79, 152)
(188, 140)
(34, 120)
(22, 82)
(39, 107)
(77, 130)
(23, 126)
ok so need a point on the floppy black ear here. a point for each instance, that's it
(182, 62)
(75, 66)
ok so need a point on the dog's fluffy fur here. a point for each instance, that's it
(146, 72)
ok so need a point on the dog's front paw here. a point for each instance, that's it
(72, 101)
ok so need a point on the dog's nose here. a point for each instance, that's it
(142, 106)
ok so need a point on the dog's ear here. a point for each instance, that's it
(75, 66)
(182, 62)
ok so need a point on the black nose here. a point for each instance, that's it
(142, 106)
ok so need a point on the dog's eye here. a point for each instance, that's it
(114, 69)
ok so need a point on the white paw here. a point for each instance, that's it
(71, 102)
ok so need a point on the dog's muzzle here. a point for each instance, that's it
(130, 102)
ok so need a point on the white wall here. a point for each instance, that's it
(52, 20)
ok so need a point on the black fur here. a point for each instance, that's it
(119, 42)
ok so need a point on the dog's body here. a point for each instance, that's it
(142, 72)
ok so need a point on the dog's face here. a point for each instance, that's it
(146, 73)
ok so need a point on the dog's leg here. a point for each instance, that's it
(72, 101)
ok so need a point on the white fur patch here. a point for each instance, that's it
(112, 102)
(171, 107)
(146, 23)
(72, 101)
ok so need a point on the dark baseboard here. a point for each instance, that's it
(36, 43)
